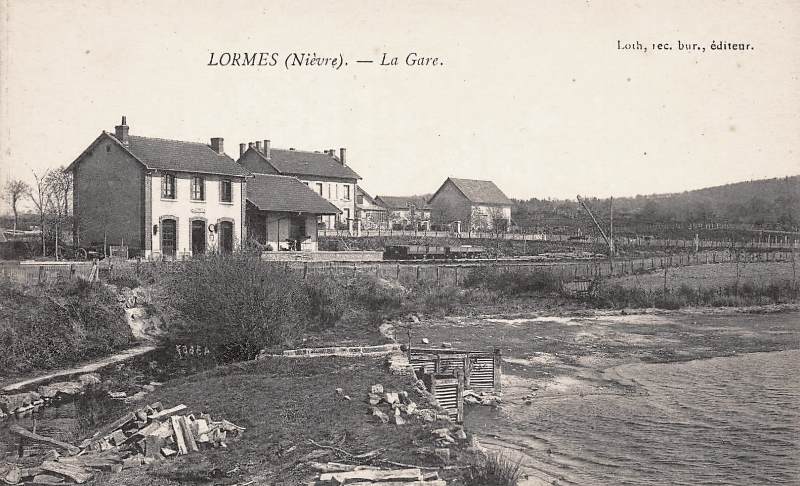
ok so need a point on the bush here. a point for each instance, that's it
(327, 301)
(512, 281)
(59, 325)
(375, 294)
(238, 305)
(495, 470)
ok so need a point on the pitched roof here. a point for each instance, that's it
(172, 155)
(368, 202)
(301, 162)
(175, 155)
(481, 192)
(403, 202)
(287, 194)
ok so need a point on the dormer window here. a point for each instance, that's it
(168, 186)
(198, 188)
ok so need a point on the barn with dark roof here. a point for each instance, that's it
(469, 204)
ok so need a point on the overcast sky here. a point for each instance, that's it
(534, 95)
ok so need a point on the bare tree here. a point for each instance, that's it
(15, 190)
(58, 187)
(38, 196)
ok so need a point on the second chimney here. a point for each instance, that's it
(121, 131)
(342, 155)
(266, 149)
(258, 146)
(242, 149)
(217, 145)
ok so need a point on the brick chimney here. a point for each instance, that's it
(258, 146)
(342, 156)
(267, 144)
(217, 145)
(242, 149)
(121, 131)
(251, 145)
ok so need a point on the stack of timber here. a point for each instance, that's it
(335, 474)
(141, 437)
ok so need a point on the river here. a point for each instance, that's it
(732, 419)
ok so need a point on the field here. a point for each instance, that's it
(713, 275)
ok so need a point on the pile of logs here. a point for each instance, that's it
(147, 435)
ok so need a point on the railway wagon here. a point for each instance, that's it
(431, 252)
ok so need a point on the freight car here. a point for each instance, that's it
(431, 252)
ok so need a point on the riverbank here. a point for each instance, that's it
(559, 364)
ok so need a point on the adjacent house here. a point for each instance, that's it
(412, 212)
(467, 204)
(324, 172)
(371, 215)
(282, 212)
(158, 197)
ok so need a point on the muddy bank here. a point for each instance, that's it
(594, 371)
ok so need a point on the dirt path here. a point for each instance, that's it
(86, 368)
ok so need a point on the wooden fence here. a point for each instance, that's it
(32, 274)
(775, 242)
(442, 274)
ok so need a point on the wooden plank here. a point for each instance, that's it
(168, 412)
(176, 428)
(120, 422)
(187, 434)
(75, 473)
(16, 429)
(398, 475)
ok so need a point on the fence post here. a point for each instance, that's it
(417, 273)
(41, 274)
(438, 268)
(456, 276)
(305, 270)
(398, 272)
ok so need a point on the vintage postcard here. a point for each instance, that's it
(422, 243)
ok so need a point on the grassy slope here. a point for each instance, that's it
(283, 403)
(47, 327)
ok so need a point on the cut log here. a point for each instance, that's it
(398, 475)
(178, 434)
(117, 424)
(191, 444)
(435, 482)
(16, 429)
(333, 467)
(118, 437)
(10, 473)
(46, 479)
(168, 412)
(75, 473)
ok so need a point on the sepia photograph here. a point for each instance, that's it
(421, 243)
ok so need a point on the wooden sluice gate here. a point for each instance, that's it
(448, 372)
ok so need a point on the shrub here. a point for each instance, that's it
(375, 294)
(512, 281)
(327, 301)
(238, 305)
(495, 470)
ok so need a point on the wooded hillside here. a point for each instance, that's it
(761, 204)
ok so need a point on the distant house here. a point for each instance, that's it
(158, 197)
(470, 205)
(324, 172)
(371, 215)
(405, 212)
(282, 212)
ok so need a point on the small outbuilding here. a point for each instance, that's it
(282, 213)
(469, 204)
